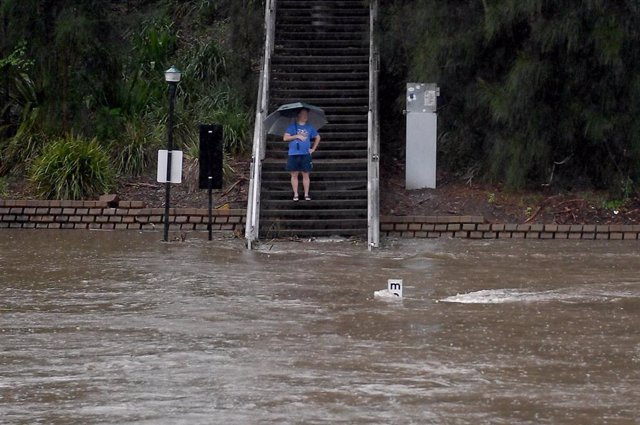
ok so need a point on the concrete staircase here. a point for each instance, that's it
(321, 56)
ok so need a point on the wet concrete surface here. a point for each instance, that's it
(118, 328)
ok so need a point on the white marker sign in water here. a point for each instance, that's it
(393, 291)
(395, 287)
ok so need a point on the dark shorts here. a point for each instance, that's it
(299, 163)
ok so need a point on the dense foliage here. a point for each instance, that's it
(72, 168)
(533, 91)
(95, 69)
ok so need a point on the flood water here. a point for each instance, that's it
(120, 328)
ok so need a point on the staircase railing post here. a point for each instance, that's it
(373, 137)
(259, 137)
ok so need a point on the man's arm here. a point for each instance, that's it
(288, 137)
(316, 142)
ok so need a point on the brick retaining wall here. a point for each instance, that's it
(35, 214)
(474, 227)
(31, 214)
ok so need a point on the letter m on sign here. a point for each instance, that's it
(395, 287)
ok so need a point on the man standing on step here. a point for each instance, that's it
(299, 135)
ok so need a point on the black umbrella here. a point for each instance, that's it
(277, 122)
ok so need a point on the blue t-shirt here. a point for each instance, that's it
(297, 146)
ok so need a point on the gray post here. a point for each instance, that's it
(172, 96)
(421, 135)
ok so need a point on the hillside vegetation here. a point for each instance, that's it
(93, 71)
(535, 93)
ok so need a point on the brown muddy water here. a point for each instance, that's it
(120, 328)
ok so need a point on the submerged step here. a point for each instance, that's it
(315, 222)
(274, 232)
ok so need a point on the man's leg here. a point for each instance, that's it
(294, 183)
(306, 182)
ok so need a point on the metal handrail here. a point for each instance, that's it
(259, 136)
(373, 137)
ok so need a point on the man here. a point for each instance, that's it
(299, 135)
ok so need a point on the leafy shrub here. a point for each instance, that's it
(136, 151)
(236, 128)
(191, 168)
(27, 142)
(72, 168)
(4, 186)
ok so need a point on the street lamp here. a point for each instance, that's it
(171, 76)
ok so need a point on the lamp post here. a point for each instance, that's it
(171, 76)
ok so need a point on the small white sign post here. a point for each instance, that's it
(176, 166)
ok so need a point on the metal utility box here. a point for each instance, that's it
(422, 125)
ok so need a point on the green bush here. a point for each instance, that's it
(136, 150)
(236, 128)
(4, 186)
(72, 168)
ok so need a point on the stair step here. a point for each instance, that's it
(323, 102)
(275, 229)
(335, 127)
(328, 93)
(285, 233)
(281, 84)
(314, 223)
(346, 109)
(284, 183)
(347, 118)
(323, 67)
(279, 145)
(320, 12)
(352, 22)
(319, 176)
(285, 35)
(323, 51)
(279, 61)
(326, 144)
(346, 18)
(287, 74)
(286, 194)
(324, 207)
(308, 4)
(305, 25)
(322, 154)
(324, 165)
(361, 135)
(324, 6)
(310, 42)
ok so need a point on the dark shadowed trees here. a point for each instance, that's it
(533, 91)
